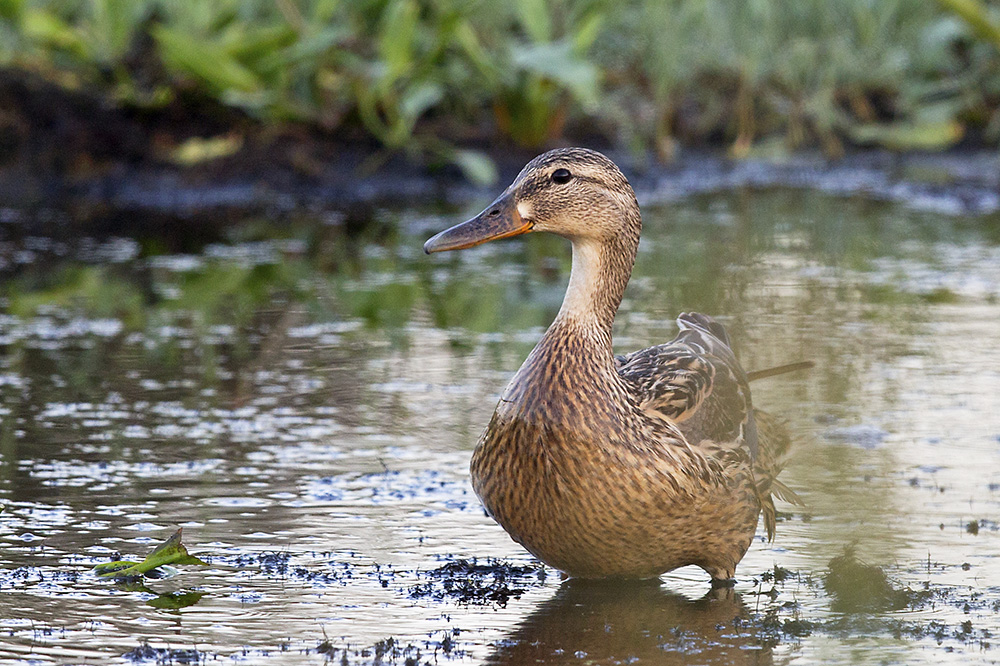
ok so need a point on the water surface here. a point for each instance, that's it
(303, 400)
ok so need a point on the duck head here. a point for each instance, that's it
(574, 192)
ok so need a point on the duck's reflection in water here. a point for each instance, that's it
(635, 622)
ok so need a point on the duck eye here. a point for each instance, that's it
(561, 176)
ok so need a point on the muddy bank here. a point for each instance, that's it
(100, 165)
(71, 149)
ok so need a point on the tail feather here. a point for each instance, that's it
(770, 515)
(774, 445)
(785, 494)
(754, 375)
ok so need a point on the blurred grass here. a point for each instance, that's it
(428, 76)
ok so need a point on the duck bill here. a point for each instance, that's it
(499, 220)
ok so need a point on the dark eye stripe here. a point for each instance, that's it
(561, 176)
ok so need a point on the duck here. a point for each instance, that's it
(618, 466)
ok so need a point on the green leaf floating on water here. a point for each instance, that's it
(171, 551)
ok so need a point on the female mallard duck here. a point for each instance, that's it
(606, 466)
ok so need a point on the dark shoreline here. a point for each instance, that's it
(71, 152)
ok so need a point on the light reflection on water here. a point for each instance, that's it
(278, 397)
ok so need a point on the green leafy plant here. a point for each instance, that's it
(422, 56)
(548, 70)
(433, 77)
(977, 15)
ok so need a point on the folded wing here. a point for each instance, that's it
(695, 382)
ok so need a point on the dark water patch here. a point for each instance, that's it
(472, 582)
(42, 577)
(858, 587)
(973, 527)
(466, 581)
(318, 569)
(145, 653)
(394, 651)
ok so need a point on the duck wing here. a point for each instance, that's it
(695, 382)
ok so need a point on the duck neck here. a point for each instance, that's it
(597, 283)
(575, 354)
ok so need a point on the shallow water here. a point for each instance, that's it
(303, 400)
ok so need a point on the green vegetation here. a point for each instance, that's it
(429, 75)
(171, 551)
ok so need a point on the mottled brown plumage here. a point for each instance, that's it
(617, 466)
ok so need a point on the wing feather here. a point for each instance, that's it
(695, 382)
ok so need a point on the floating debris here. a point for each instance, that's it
(469, 582)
